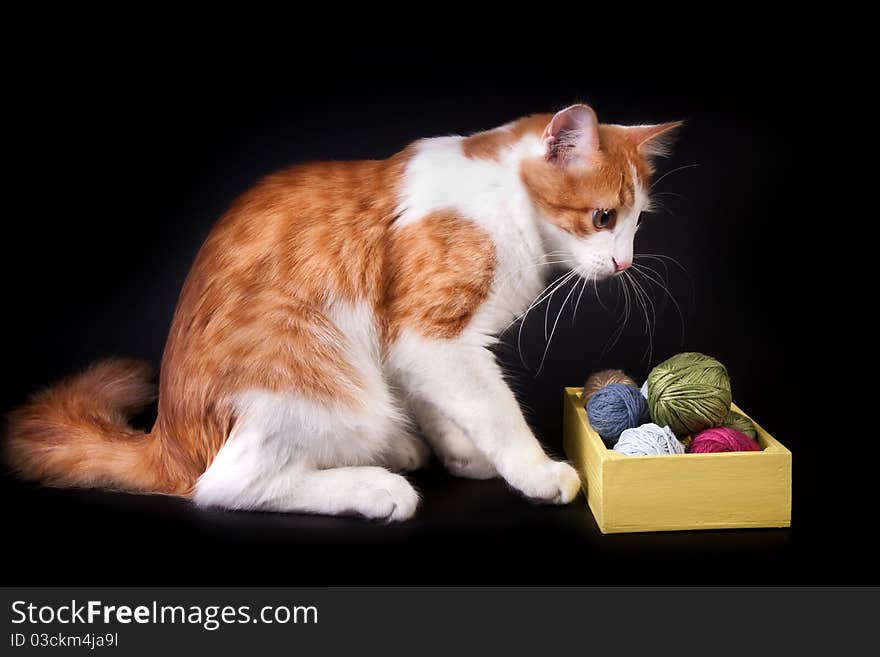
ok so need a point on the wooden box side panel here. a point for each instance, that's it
(698, 491)
(582, 452)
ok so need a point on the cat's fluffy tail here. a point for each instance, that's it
(76, 432)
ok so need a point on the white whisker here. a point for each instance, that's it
(537, 301)
(553, 331)
(654, 277)
(669, 173)
(565, 278)
(650, 317)
(577, 303)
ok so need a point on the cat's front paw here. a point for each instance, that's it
(552, 482)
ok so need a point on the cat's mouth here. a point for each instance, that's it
(597, 271)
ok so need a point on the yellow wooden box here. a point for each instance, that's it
(676, 492)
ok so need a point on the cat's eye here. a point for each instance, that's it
(604, 218)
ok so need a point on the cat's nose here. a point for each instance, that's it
(621, 266)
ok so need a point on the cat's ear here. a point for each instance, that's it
(653, 140)
(572, 136)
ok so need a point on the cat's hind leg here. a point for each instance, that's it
(256, 470)
(314, 439)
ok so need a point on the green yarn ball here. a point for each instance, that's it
(689, 392)
(741, 423)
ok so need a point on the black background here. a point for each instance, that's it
(126, 156)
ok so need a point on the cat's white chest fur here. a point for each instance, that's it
(491, 194)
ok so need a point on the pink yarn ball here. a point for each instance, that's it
(722, 439)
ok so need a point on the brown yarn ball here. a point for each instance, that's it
(599, 380)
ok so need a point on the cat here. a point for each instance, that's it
(335, 327)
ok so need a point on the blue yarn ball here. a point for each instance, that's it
(615, 408)
(648, 440)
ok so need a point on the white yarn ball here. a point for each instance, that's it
(648, 440)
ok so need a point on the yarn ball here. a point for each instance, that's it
(689, 392)
(615, 408)
(599, 380)
(741, 423)
(722, 439)
(644, 389)
(648, 440)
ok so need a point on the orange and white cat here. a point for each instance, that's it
(341, 313)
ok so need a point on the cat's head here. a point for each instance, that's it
(590, 186)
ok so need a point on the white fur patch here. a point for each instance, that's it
(491, 194)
